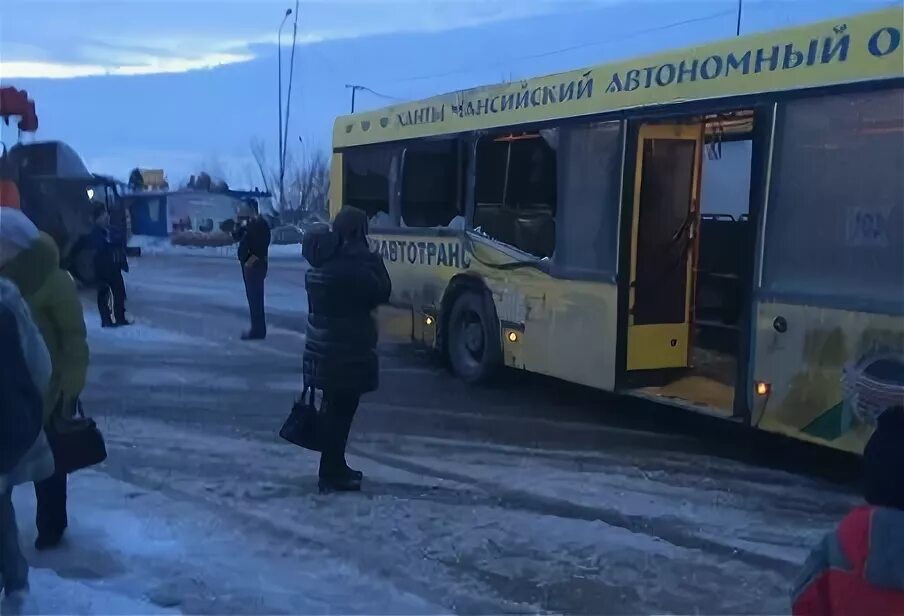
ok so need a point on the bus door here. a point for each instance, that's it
(664, 246)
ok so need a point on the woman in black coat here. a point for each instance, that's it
(345, 284)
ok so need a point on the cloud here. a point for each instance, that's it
(101, 37)
(51, 70)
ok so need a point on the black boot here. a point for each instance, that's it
(353, 474)
(336, 476)
(339, 477)
(50, 511)
(49, 540)
(342, 483)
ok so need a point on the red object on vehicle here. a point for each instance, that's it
(15, 102)
(9, 194)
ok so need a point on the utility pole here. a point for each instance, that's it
(279, 135)
(740, 6)
(354, 88)
(285, 135)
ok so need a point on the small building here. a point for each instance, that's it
(153, 179)
(162, 213)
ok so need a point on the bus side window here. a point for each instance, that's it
(368, 175)
(835, 226)
(589, 190)
(430, 177)
(516, 191)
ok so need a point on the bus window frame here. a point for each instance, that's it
(471, 182)
(396, 169)
(457, 140)
(472, 191)
(561, 272)
(396, 195)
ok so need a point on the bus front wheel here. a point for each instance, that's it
(473, 346)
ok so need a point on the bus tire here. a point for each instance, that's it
(473, 347)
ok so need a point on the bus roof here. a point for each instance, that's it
(860, 48)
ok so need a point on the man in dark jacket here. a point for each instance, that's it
(345, 284)
(109, 263)
(253, 235)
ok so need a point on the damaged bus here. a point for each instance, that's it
(720, 228)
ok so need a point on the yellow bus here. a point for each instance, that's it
(720, 228)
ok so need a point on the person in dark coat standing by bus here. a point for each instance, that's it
(109, 264)
(345, 285)
(253, 235)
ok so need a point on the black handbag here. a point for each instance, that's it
(76, 442)
(301, 426)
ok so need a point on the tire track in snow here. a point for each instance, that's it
(662, 529)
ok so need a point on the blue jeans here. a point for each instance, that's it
(13, 566)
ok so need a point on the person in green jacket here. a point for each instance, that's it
(31, 260)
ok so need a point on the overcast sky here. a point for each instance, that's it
(181, 84)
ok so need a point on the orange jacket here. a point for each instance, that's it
(858, 569)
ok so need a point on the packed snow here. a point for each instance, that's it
(138, 334)
(53, 594)
(132, 550)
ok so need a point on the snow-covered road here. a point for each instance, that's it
(532, 496)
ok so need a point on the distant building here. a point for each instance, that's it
(154, 179)
(162, 213)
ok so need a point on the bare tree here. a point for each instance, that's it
(312, 181)
(306, 185)
(214, 167)
(269, 173)
(249, 175)
(136, 180)
(211, 176)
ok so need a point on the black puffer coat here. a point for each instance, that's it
(344, 285)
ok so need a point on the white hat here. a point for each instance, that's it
(17, 233)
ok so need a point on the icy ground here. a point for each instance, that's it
(151, 245)
(532, 496)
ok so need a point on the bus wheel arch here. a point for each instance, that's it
(469, 330)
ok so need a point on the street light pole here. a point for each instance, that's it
(354, 89)
(285, 138)
(303, 190)
(279, 135)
